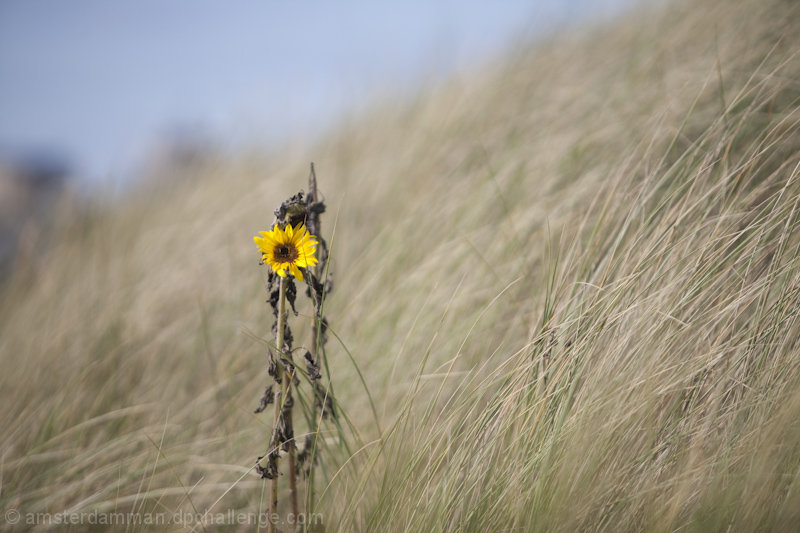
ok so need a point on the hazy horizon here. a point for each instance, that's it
(102, 85)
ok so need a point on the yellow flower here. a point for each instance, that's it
(287, 249)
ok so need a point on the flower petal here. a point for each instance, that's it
(296, 271)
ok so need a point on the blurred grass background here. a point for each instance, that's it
(570, 282)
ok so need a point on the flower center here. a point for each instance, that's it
(285, 253)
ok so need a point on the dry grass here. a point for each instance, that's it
(571, 285)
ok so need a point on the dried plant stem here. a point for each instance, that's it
(287, 420)
(314, 429)
(283, 412)
(315, 227)
(275, 444)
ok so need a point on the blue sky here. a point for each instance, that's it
(102, 81)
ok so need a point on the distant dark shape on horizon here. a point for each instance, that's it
(30, 184)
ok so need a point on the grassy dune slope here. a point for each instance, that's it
(571, 284)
